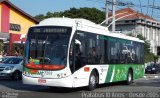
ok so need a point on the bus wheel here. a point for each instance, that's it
(92, 81)
(129, 77)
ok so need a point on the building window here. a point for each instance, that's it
(133, 21)
(15, 27)
(127, 21)
(158, 51)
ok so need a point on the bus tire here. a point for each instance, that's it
(92, 81)
(129, 77)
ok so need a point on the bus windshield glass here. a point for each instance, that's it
(46, 47)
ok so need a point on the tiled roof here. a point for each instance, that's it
(130, 11)
(19, 10)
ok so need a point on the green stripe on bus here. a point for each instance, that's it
(121, 71)
(109, 73)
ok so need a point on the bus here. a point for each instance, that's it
(66, 52)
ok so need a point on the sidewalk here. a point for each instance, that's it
(151, 76)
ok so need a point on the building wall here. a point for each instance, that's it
(127, 27)
(0, 31)
(10, 15)
(158, 37)
(23, 21)
(152, 34)
(124, 28)
(4, 18)
(0, 15)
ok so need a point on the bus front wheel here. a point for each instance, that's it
(92, 81)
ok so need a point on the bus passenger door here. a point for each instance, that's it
(77, 59)
(75, 56)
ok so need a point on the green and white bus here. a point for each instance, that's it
(64, 52)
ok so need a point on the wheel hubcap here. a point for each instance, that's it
(129, 77)
(93, 80)
(16, 76)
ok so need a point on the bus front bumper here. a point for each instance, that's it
(55, 82)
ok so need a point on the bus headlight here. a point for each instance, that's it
(58, 75)
(61, 75)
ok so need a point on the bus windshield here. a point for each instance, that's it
(46, 47)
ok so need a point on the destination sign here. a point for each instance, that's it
(50, 29)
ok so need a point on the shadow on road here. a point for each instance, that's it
(69, 90)
(18, 85)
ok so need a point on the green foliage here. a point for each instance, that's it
(146, 45)
(40, 17)
(13, 48)
(55, 14)
(148, 56)
(91, 14)
(20, 48)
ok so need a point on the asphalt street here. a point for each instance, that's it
(149, 85)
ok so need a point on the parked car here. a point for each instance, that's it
(11, 67)
(2, 59)
(153, 69)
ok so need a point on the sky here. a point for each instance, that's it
(36, 7)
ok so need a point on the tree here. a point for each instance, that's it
(148, 56)
(49, 15)
(91, 14)
(40, 17)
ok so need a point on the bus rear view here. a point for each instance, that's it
(46, 56)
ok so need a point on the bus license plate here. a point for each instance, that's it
(41, 81)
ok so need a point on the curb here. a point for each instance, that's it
(151, 76)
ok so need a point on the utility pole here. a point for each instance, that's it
(113, 14)
(114, 3)
(107, 11)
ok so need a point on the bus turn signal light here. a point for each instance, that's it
(86, 69)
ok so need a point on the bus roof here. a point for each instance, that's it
(85, 25)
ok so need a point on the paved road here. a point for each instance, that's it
(148, 84)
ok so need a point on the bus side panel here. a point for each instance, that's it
(118, 72)
(138, 71)
(81, 77)
(107, 73)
